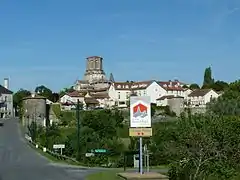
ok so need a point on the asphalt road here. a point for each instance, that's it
(20, 162)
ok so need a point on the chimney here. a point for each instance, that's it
(6, 83)
(170, 83)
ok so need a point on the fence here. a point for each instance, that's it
(53, 154)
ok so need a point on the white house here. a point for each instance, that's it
(103, 99)
(163, 101)
(69, 100)
(200, 97)
(187, 92)
(172, 88)
(121, 91)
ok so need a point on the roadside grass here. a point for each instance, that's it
(112, 173)
(105, 175)
(54, 159)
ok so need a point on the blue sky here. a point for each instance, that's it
(46, 41)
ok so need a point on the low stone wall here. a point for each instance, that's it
(195, 110)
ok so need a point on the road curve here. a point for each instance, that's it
(19, 162)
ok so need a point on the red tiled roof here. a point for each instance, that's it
(74, 94)
(132, 85)
(90, 100)
(165, 97)
(171, 85)
(169, 97)
(99, 95)
(199, 92)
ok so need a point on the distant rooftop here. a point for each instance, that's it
(4, 90)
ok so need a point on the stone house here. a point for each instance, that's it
(6, 100)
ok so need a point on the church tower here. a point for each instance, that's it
(94, 70)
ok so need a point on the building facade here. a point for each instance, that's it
(200, 97)
(94, 77)
(121, 91)
(6, 100)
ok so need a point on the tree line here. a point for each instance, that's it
(202, 146)
(98, 130)
(39, 90)
(209, 82)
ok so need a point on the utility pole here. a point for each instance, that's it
(78, 126)
(35, 122)
(47, 123)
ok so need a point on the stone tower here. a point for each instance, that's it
(94, 70)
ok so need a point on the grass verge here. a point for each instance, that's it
(105, 175)
(112, 174)
(54, 159)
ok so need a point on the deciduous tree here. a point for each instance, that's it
(17, 99)
(44, 91)
(194, 86)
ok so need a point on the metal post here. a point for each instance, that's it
(140, 156)
(147, 161)
(124, 160)
(61, 151)
(35, 123)
(78, 126)
(145, 155)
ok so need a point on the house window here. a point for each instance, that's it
(144, 92)
(140, 94)
(127, 95)
(121, 103)
(5, 98)
(119, 95)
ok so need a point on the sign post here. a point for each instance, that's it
(59, 146)
(140, 122)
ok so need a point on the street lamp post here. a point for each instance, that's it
(78, 126)
(35, 122)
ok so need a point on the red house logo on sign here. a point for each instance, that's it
(140, 110)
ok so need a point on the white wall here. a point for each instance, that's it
(118, 96)
(175, 93)
(210, 95)
(186, 93)
(201, 101)
(163, 102)
(67, 98)
(112, 93)
(155, 91)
